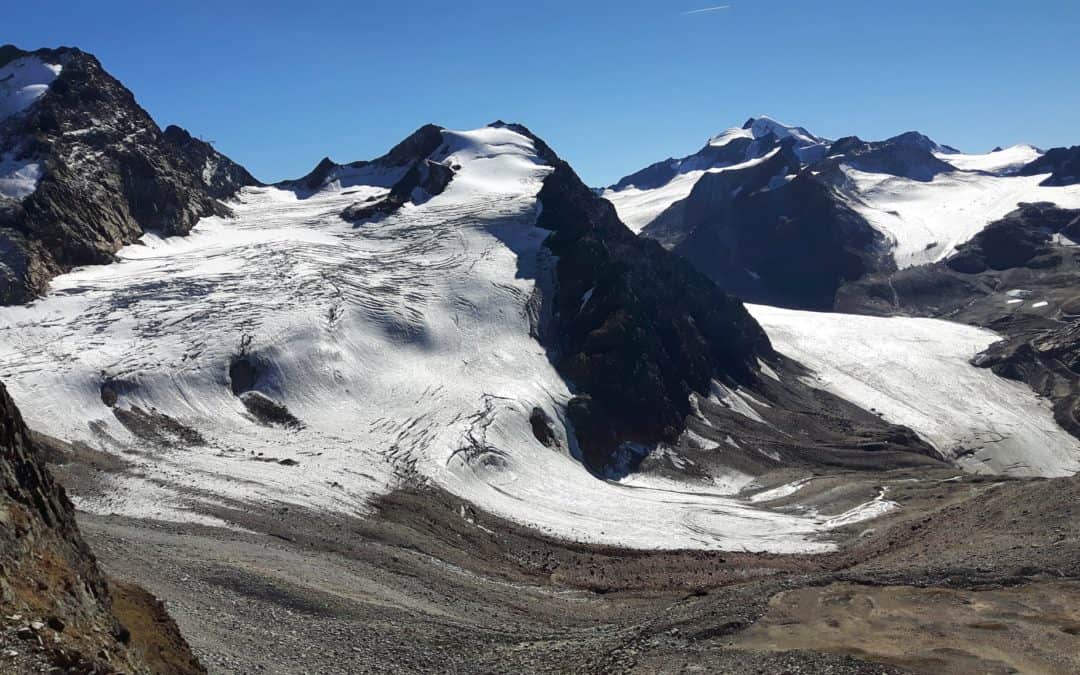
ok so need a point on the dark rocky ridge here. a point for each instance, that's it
(1062, 163)
(221, 176)
(909, 155)
(49, 576)
(653, 331)
(781, 232)
(110, 175)
(416, 147)
(791, 245)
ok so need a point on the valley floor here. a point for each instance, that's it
(970, 576)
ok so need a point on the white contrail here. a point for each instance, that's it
(707, 9)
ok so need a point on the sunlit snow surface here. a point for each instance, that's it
(394, 342)
(999, 162)
(23, 81)
(926, 221)
(916, 372)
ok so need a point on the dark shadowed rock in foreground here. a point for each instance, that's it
(107, 175)
(53, 596)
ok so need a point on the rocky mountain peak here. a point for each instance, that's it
(84, 170)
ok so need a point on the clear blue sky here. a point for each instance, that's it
(611, 85)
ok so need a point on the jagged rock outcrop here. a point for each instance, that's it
(53, 596)
(97, 172)
(776, 215)
(1063, 165)
(386, 170)
(635, 328)
(221, 176)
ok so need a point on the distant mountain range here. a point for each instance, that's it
(775, 214)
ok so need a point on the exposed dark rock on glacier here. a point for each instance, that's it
(909, 155)
(792, 244)
(429, 177)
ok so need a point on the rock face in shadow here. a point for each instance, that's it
(635, 329)
(1020, 239)
(50, 580)
(221, 176)
(769, 216)
(786, 241)
(1063, 165)
(108, 175)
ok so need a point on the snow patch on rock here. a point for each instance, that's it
(22, 82)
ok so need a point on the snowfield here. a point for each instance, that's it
(18, 178)
(916, 372)
(926, 221)
(402, 345)
(1000, 162)
(23, 81)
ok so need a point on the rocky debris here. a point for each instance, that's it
(1047, 359)
(48, 571)
(222, 177)
(158, 428)
(1063, 165)
(108, 175)
(485, 595)
(542, 427)
(269, 412)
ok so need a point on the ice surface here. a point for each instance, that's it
(928, 220)
(916, 372)
(403, 345)
(1001, 162)
(23, 81)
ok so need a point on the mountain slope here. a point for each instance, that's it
(221, 176)
(83, 170)
(790, 228)
(470, 339)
